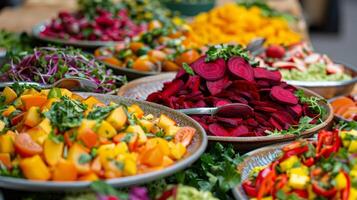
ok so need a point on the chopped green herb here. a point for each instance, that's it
(84, 158)
(188, 69)
(66, 114)
(100, 113)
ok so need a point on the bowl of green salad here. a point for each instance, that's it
(301, 66)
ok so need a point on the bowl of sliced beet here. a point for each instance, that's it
(344, 107)
(281, 112)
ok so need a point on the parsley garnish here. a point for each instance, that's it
(215, 171)
(188, 69)
(105, 189)
(19, 88)
(227, 51)
(56, 138)
(66, 114)
(313, 102)
(100, 113)
(84, 158)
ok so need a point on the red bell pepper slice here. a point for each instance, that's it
(280, 182)
(309, 161)
(294, 152)
(15, 120)
(345, 193)
(323, 192)
(265, 181)
(328, 142)
(301, 193)
(169, 193)
(250, 188)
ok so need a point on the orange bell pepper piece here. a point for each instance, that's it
(30, 100)
(65, 171)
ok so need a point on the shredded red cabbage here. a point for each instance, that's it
(46, 65)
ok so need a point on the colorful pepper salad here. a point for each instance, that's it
(57, 135)
(160, 49)
(323, 169)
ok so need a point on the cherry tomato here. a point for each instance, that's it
(143, 65)
(184, 135)
(25, 146)
(187, 57)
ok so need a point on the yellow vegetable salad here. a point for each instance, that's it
(57, 135)
(233, 23)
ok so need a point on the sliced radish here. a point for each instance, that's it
(284, 65)
(313, 58)
(334, 68)
(300, 64)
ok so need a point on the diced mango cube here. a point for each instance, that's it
(117, 118)
(32, 117)
(34, 168)
(106, 130)
(165, 121)
(9, 94)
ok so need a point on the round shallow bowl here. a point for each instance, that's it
(337, 117)
(131, 74)
(329, 89)
(189, 9)
(256, 158)
(194, 151)
(141, 88)
(85, 44)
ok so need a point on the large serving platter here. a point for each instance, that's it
(194, 151)
(141, 88)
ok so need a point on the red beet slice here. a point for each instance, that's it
(215, 87)
(193, 83)
(229, 122)
(265, 109)
(221, 102)
(235, 110)
(263, 83)
(296, 110)
(180, 73)
(283, 96)
(172, 88)
(262, 73)
(240, 131)
(275, 124)
(240, 68)
(251, 122)
(210, 71)
(200, 104)
(217, 130)
(246, 86)
(154, 97)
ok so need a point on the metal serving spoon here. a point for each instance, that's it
(256, 46)
(228, 110)
(74, 83)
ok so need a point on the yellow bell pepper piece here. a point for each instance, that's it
(52, 151)
(341, 181)
(34, 168)
(289, 163)
(32, 116)
(9, 94)
(106, 130)
(117, 118)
